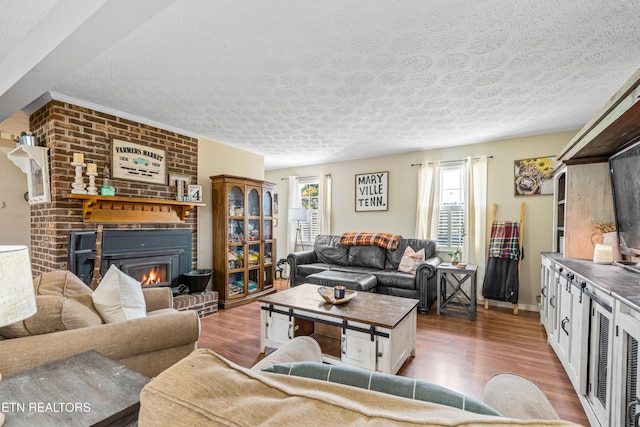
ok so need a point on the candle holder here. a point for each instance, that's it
(92, 189)
(78, 183)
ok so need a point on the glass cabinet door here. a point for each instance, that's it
(267, 204)
(253, 203)
(268, 247)
(235, 199)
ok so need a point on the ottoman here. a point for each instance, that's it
(354, 281)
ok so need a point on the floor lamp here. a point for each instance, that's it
(299, 215)
(16, 287)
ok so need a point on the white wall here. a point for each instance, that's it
(215, 158)
(401, 216)
(15, 215)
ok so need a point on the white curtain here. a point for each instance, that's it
(428, 206)
(294, 202)
(474, 249)
(324, 208)
(475, 200)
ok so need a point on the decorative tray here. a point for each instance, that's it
(327, 294)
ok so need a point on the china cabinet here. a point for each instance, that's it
(243, 244)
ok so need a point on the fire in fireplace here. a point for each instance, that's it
(149, 275)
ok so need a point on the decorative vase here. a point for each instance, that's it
(612, 239)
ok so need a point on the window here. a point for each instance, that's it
(309, 189)
(451, 219)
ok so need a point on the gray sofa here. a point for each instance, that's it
(329, 255)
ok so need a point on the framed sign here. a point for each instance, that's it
(138, 162)
(372, 191)
(195, 193)
(38, 182)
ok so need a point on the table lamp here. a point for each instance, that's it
(17, 298)
(299, 215)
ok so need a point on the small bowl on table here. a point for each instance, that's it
(328, 294)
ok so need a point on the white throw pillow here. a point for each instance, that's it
(411, 260)
(119, 297)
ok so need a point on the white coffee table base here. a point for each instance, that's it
(382, 348)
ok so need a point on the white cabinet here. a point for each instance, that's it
(598, 394)
(546, 283)
(579, 325)
(549, 291)
(572, 334)
(625, 405)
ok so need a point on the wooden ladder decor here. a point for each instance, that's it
(521, 233)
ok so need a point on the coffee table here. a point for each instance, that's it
(371, 331)
(87, 389)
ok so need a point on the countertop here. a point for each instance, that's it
(621, 284)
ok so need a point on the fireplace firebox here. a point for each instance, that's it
(153, 257)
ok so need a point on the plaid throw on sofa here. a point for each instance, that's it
(505, 236)
(384, 240)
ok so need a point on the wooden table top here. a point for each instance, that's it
(369, 308)
(81, 390)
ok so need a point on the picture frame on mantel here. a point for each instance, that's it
(138, 162)
(372, 191)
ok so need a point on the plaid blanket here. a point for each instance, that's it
(384, 240)
(505, 236)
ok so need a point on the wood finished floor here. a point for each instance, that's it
(451, 350)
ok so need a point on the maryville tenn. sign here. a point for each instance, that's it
(372, 191)
(138, 162)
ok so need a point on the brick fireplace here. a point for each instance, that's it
(66, 129)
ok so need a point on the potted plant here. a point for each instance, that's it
(26, 138)
(456, 254)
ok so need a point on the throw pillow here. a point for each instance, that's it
(54, 314)
(411, 260)
(66, 284)
(119, 297)
(391, 384)
(63, 302)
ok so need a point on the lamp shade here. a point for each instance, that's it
(298, 214)
(17, 298)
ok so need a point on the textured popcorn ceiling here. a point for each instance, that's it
(306, 82)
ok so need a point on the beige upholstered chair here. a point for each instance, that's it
(148, 345)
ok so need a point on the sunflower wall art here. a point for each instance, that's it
(533, 176)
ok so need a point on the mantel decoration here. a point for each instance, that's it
(138, 162)
(78, 182)
(533, 176)
(372, 191)
(181, 182)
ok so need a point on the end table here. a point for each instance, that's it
(451, 291)
(81, 390)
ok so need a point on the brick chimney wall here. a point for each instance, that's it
(66, 129)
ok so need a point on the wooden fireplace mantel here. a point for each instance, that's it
(97, 208)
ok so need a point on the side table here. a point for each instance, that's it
(81, 390)
(451, 291)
